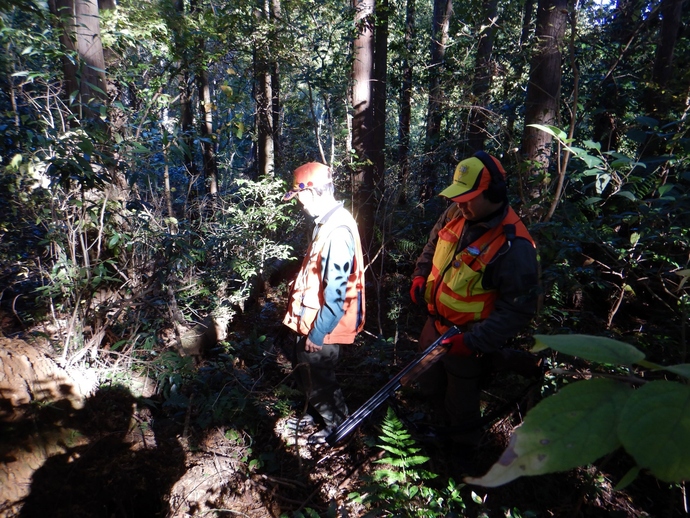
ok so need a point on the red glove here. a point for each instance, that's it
(458, 347)
(417, 289)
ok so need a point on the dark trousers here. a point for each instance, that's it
(452, 386)
(316, 377)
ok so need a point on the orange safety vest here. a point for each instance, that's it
(454, 291)
(306, 296)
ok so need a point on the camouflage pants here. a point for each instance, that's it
(316, 377)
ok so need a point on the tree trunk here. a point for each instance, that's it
(208, 142)
(276, 14)
(658, 99)
(185, 95)
(64, 11)
(362, 119)
(518, 58)
(84, 81)
(609, 108)
(264, 96)
(379, 93)
(483, 73)
(543, 91)
(405, 117)
(439, 39)
(93, 86)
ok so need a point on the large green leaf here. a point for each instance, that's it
(682, 369)
(593, 348)
(654, 428)
(574, 427)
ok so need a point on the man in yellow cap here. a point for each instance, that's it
(326, 303)
(478, 271)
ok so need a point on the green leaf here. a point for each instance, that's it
(647, 121)
(574, 427)
(665, 188)
(593, 348)
(627, 194)
(551, 130)
(590, 144)
(589, 160)
(621, 162)
(682, 369)
(114, 240)
(16, 160)
(627, 478)
(654, 428)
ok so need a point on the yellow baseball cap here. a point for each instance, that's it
(471, 178)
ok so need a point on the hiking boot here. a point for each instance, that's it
(297, 424)
(320, 436)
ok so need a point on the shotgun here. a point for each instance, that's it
(415, 368)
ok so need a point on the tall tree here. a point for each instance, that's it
(80, 36)
(362, 119)
(483, 73)
(180, 36)
(405, 116)
(608, 104)
(543, 89)
(658, 98)
(208, 141)
(379, 92)
(439, 39)
(265, 75)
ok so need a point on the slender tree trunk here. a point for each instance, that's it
(264, 123)
(520, 66)
(405, 117)
(439, 40)
(608, 108)
(92, 87)
(362, 119)
(543, 90)
(276, 108)
(84, 80)
(658, 100)
(263, 93)
(208, 143)
(379, 93)
(64, 11)
(185, 93)
(483, 74)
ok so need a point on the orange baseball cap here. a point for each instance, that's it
(313, 174)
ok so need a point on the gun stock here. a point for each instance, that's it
(414, 369)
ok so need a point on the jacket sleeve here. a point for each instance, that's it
(338, 256)
(516, 276)
(424, 261)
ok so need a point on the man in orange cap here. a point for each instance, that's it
(479, 272)
(326, 303)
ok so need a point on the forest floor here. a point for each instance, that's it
(215, 443)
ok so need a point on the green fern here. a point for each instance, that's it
(398, 488)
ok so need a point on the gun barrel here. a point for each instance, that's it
(409, 373)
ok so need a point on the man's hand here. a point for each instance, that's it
(311, 347)
(458, 347)
(417, 289)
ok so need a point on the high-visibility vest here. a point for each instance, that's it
(306, 295)
(454, 291)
